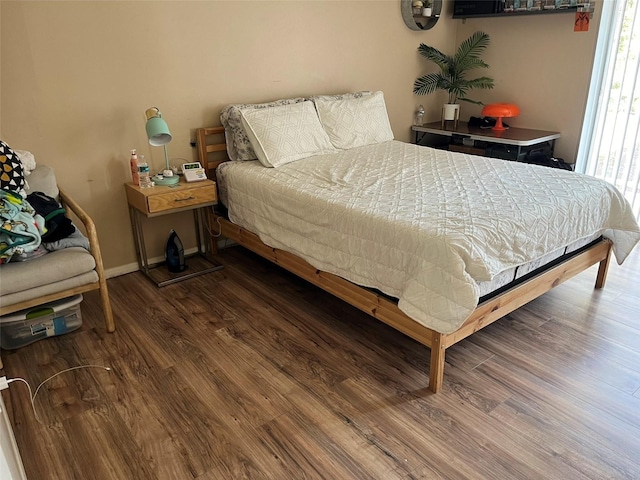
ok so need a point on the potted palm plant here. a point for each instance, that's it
(453, 72)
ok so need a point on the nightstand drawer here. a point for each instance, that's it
(181, 199)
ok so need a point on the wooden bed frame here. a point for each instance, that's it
(383, 308)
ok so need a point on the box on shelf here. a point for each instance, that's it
(27, 326)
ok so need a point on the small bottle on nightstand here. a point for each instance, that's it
(135, 176)
(143, 172)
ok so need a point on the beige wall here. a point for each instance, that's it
(76, 78)
(543, 66)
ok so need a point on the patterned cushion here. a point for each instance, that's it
(340, 96)
(238, 145)
(356, 121)
(11, 174)
(285, 133)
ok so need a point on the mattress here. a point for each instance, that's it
(430, 227)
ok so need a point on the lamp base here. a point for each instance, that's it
(499, 127)
(164, 181)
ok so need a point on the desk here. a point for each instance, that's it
(165, 200)
(511, 144)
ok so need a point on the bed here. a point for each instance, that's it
(436, 244)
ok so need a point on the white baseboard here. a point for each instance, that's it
(121, 270)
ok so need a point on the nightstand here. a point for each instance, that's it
(165, 200)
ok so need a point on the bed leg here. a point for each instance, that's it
(436, 369)
(603, 269)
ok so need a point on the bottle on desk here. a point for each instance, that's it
(143, 173)
(133, 162)
(419, 120)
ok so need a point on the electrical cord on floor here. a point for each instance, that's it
(206, 224)
(219, 234)
(5, 382)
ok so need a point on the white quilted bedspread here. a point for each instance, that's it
(420, 224)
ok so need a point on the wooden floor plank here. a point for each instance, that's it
(568, 378)
(249, 372)
(430, 421)
(570, 422)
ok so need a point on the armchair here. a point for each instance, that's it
(57, 274)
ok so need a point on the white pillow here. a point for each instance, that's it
(354, 122)
(28, 161)
(286, 133)
(238, 145)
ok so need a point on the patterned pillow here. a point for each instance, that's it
(238, 145)
(340, 96)
(11, 173)
(356, 121)
(286, 133)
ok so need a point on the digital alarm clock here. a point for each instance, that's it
(193, 172)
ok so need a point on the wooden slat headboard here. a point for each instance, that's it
(212, 148)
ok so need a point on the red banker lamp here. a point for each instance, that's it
(499, 110)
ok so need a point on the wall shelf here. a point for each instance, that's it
(518, 13)
(420, 22)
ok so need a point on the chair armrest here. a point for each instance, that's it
(89, 226)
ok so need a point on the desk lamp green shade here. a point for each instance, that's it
(159, 135)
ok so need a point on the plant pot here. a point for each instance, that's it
(450, 112)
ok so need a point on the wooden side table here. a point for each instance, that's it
(165, 200)
(511, 144)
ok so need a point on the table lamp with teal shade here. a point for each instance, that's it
(159, 135)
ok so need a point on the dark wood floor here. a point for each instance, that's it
(252, 373)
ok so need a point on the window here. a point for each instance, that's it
(610, 144)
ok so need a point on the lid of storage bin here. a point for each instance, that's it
(44, 309)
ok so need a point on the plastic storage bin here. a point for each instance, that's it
(27, 326)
